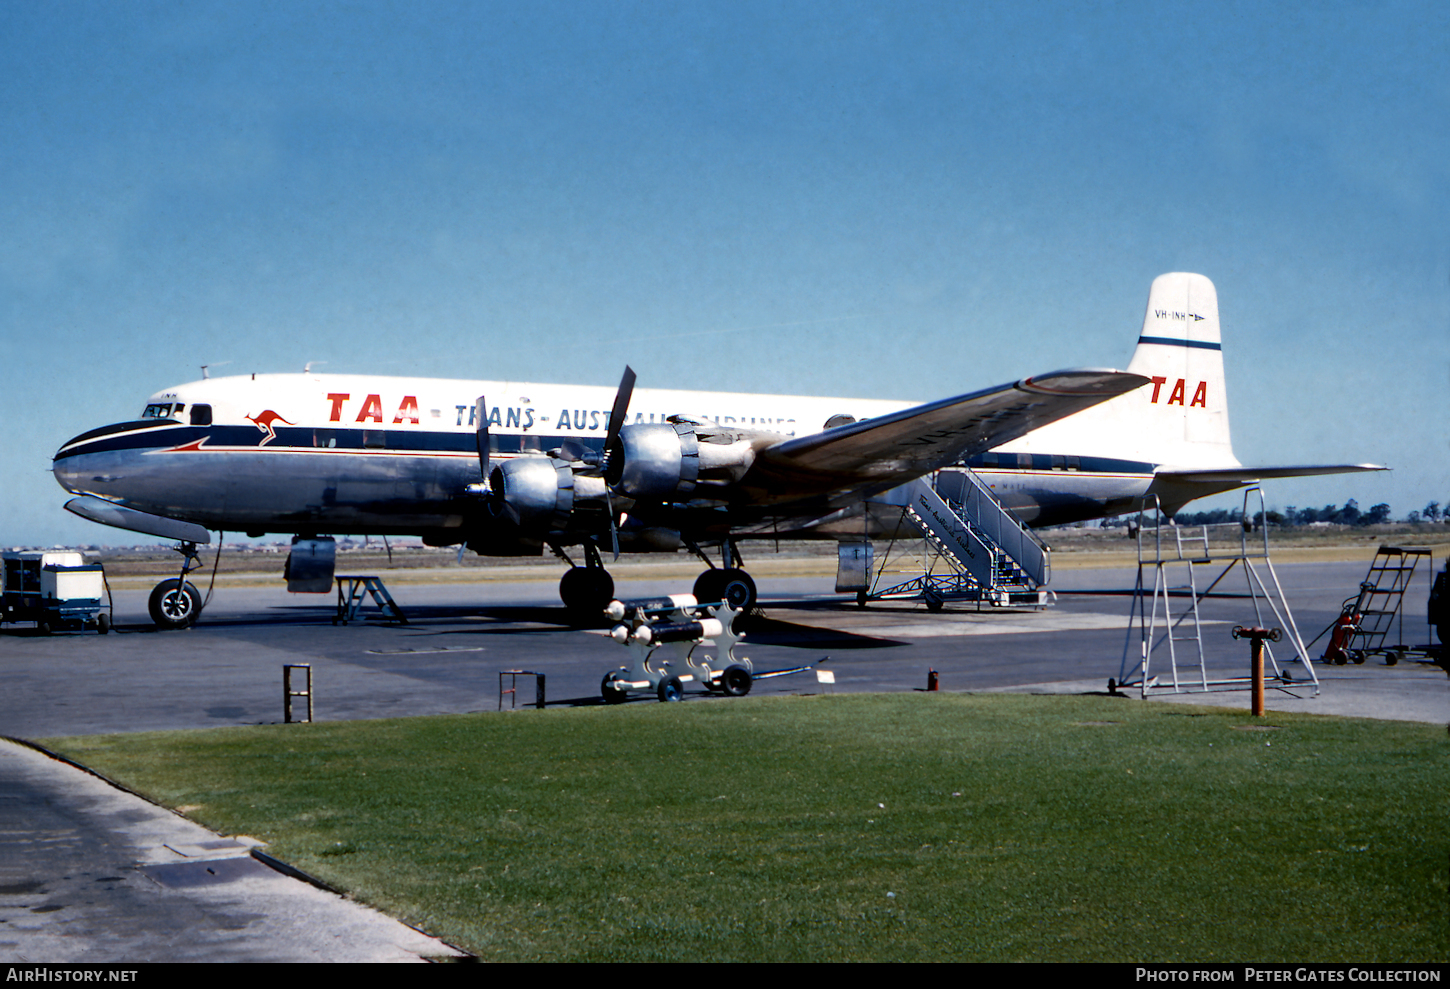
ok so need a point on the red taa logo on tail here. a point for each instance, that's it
(1200, 394)
(264, 423)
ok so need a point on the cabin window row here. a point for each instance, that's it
(394, 439)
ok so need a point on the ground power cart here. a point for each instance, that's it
(56, 590)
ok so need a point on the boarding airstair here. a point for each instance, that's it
(989, 554)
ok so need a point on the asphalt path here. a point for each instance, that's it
(91, 873)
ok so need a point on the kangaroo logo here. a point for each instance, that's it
(264, 423)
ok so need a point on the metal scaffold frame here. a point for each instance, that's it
(1156, 625)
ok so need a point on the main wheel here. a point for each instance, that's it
(586, 590)
(173, 608)
(736, 680)
(707, 586)
(671, 689)
(731, 585)
(737, 589)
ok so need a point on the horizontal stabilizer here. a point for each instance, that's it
(1247, 474)
(107, 513)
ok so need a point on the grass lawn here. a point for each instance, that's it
(875, 828)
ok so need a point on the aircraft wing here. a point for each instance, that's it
(892, 449)
(1247, 474)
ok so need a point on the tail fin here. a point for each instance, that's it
(1186, 418)
(1180, 419)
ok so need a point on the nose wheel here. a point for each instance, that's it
(174, 604)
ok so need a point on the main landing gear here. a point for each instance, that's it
(729, 583)
(586, 590)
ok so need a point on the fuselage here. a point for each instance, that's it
(344, 454)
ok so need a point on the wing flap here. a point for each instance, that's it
(895, 448)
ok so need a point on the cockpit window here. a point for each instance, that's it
(169, 410)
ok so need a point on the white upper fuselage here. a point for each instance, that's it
(516, 408)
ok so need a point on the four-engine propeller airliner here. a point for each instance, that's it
(507, 468)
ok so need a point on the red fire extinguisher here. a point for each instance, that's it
(1344, 627)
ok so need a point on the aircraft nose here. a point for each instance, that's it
(81, 468)
(68, 469)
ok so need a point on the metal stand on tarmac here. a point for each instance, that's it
(1165, 551)
(351, 599)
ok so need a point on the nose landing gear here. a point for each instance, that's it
(175, 603)
(172, 608)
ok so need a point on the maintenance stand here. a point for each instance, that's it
(1165, 552)
(351, 599)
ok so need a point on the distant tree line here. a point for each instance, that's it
(1347, 514)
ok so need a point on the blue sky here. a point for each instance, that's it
(893, 200)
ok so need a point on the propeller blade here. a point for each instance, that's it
(480, 418)
(617, 416)
(620, 411)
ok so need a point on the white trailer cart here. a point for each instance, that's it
(55, 589)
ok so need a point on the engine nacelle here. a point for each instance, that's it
(541, 493)
(682, 459)
(654, 460)
(535, 492)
